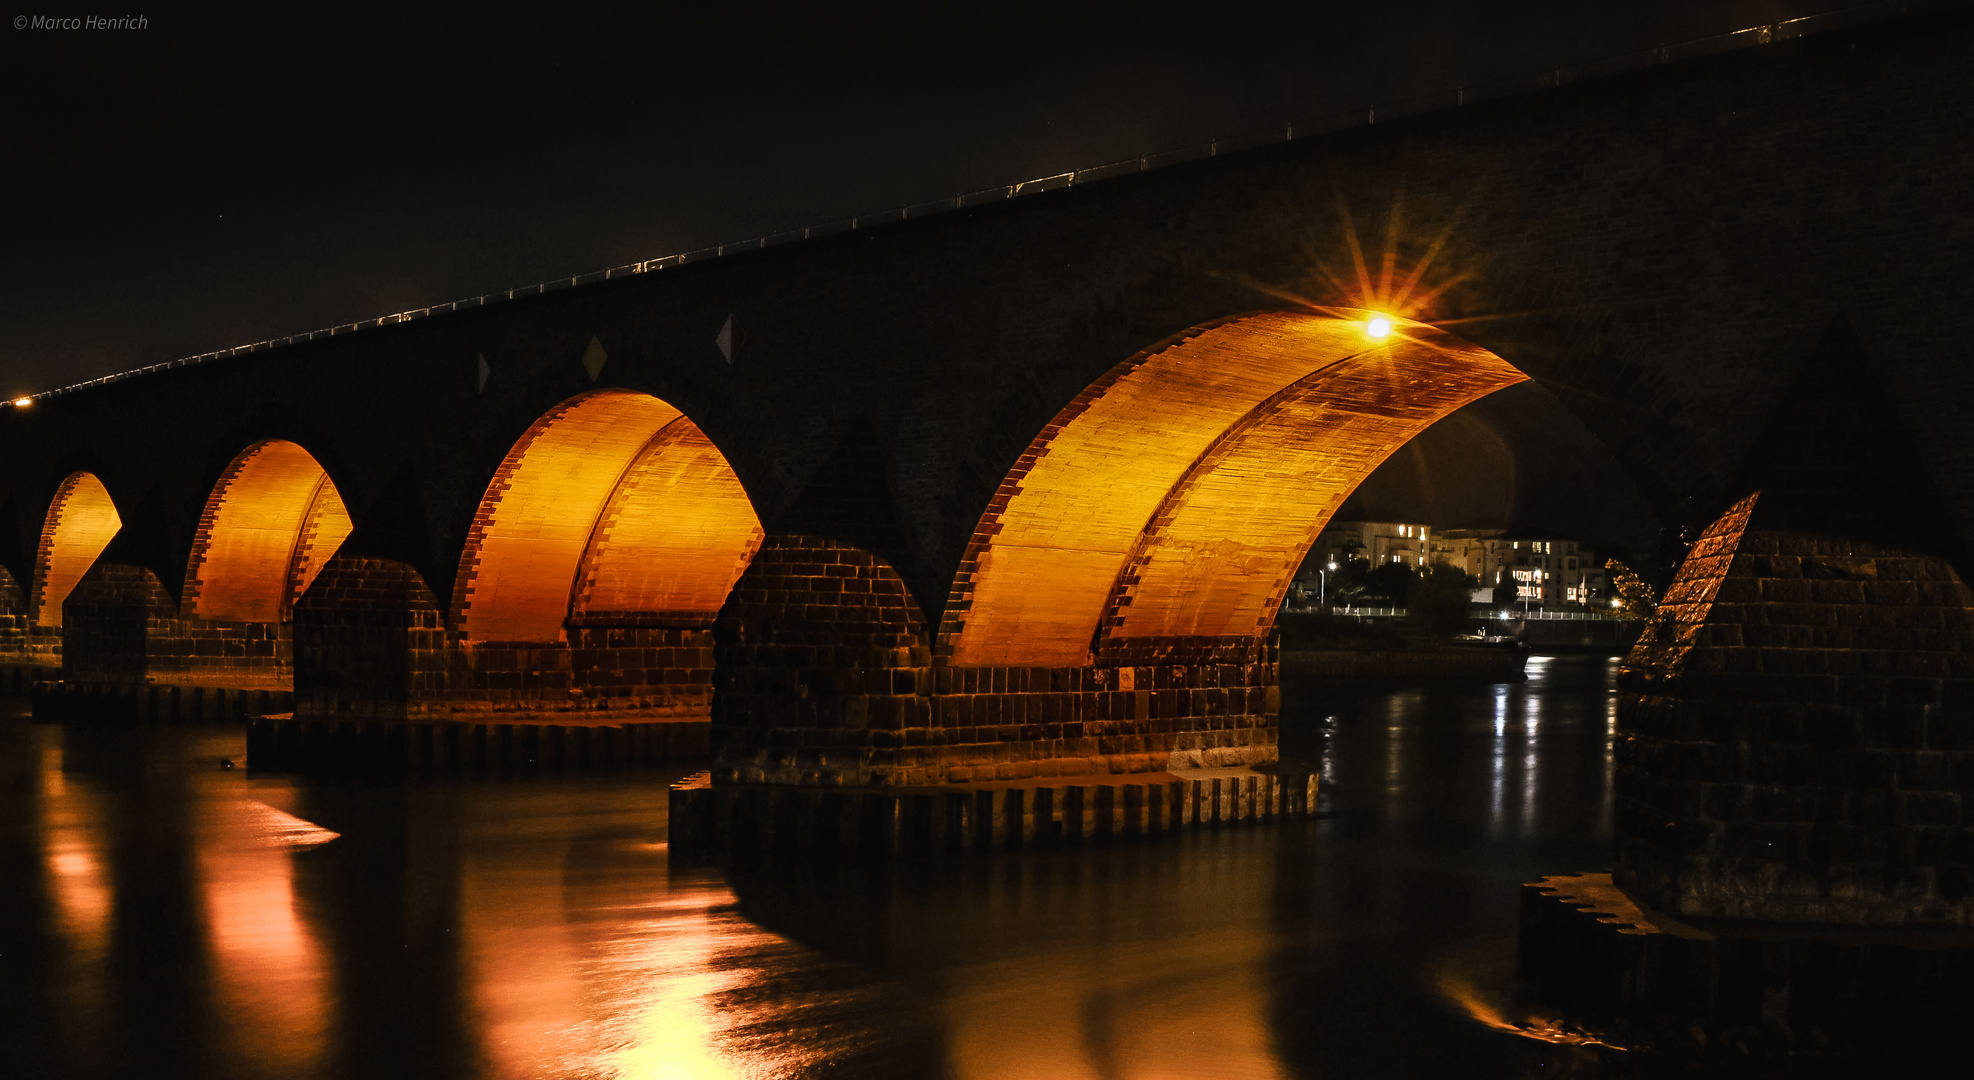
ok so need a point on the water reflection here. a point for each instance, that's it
(164, 916)
(268, 977)
(71, 829)
(590, 959)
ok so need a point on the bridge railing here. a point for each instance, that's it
(1511, 614)
(1340, 120)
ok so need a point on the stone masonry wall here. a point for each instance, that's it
(372, 643)
(21, 642)
(645, 671)
(826, 678)
(1796, 734)
(369, 643)
(121, 627)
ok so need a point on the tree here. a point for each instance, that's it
(1390, 581)
(1635, 598)
(1347, 581)
(1437, 602)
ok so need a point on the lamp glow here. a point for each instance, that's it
(1378, 327)
(23, 402)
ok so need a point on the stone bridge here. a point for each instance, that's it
(1016, 489)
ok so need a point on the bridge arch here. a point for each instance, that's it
(82, 519)
(613, 509)
(271, 523)
(1165, 509)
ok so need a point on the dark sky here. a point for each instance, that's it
(213, 180)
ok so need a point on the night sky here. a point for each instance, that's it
(213, 180)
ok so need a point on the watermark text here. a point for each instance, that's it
(81, 22)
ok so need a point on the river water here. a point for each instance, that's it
(163, 916)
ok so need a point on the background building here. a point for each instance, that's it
(1541, 569)
(1375, 542)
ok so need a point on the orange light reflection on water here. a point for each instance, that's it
(268, 967)
(664, 967)
(618, 975)
(72, 850)
(1188, 1007)
(1464, 993)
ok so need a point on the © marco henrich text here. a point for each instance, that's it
(80, 22)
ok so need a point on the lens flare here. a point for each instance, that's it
(1378, 327)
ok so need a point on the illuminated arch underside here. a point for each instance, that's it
(81, 522)
(1177, 496)
(270, 525)
(677, 533)
(614, 508)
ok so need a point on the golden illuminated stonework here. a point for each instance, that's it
(1177, 495)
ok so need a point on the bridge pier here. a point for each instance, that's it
(1795, 749)
(1796, 736)
(369, 643)
(828, 680)
(125, 645)
(380, 686)
(28, 653)
(372, 644)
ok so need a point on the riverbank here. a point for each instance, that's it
(1328, 645)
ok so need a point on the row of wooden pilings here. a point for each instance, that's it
(145, 702)
(287, 744)
(705, 818)
(708, 818)
(17, 680)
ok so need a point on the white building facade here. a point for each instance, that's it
(1542, 569)
(1376, 542)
